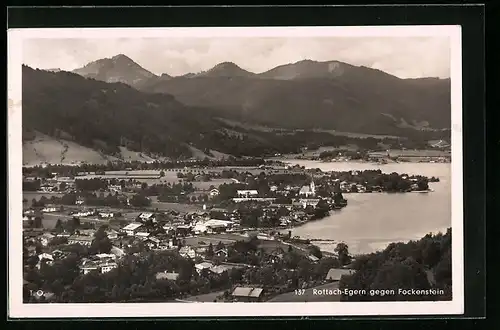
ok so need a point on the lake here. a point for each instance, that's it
(371, 221)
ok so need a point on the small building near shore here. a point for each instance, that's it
(247, 294)
(335, 274)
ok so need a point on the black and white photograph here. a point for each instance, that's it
(235, 171)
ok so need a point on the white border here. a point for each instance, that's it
(19, 310)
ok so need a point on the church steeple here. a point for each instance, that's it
(312, 186)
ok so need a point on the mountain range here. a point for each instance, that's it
(114, 105)
(63, 110)
(306, 94)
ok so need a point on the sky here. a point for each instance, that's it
(404, 57)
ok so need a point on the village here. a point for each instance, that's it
(234, 230)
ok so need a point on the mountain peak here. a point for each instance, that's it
(121, 58)
(119, 68)
(226, 69)
(227, 65)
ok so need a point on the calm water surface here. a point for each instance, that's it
(371, 221)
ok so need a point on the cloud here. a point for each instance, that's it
(405, 57)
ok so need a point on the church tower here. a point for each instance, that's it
(313, 186)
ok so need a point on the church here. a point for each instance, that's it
(308, 191)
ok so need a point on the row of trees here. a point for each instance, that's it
(423, 264)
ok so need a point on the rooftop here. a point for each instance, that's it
(247, 292)
(132, 226)
(167, 276)
(335, 274)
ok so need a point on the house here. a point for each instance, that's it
(103, 256)
(106, 214)
(247, 294)
(29, 212)
(308, 191)
(309, 202)
(47, 188)
(82, 240)
(45, 238)
(221, 253)
(59, 255)
(31, 249)
(335, 274)
(313, 258)
(214, 192)
(187, 252)
(152, 242)
(45, 257)
(112, 234)
(79, 201)
(49, 209)
(263, 236)
(83, 213)
(142, 234)
(167, 276)
(117, 252)
(201, 266)
(115, 188)
(439, 144)
(247, 193)
(107, 266)
(274, 188)
(88, 266)
(216, 225)
(63, 234)
(100, 266)
(146, 216)
(221, 269)
(86, 232)
(131, 229)
(201, 250)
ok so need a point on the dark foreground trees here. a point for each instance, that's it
(417, 265)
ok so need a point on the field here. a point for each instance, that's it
(49, 150)
(413, 153)
(182, 208)
(29, 195)
(308, 295)
(262, 128)
(214, 239)
(45, 149)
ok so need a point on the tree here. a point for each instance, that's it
(210, 251)
(37, 223)
(162, 174)
(220, 246)
(139, 200)
(75, 223)
(315, 251)
(62, 186)
(343, 253)
(59, 226)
